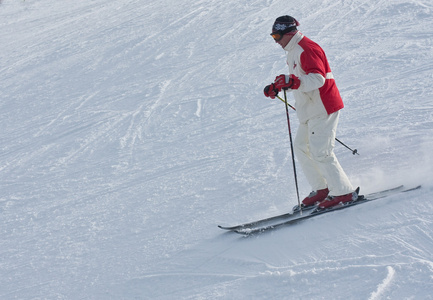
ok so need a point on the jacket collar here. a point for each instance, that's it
(294, 41)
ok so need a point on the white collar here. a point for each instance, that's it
(294, 41)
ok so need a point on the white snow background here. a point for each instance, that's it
(131, 129)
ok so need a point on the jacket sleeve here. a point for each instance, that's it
(314, 66)
(312, 81)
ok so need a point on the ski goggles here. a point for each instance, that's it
(278, 35)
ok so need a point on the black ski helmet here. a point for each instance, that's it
(285, 24)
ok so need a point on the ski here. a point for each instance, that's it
(272, 219)
(361, 199)
(296, 212)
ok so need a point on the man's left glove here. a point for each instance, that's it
(271, 91)
(285, 82)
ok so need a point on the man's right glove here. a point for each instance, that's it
(284, 82)
(270, 91)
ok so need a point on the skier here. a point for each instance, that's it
(318, 104)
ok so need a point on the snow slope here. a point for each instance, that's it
(130, 129)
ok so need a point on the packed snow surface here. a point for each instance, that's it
(131, 129)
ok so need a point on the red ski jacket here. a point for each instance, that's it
(318, 94)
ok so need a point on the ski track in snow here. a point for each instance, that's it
(130, 130)
(386, 282)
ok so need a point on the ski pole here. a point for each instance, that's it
(354, 151)
(291, 148)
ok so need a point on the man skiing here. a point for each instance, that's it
(318, 103)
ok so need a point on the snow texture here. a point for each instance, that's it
(131, 129)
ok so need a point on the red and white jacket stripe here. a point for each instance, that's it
(318, 94)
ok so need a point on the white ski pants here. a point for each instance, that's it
(314, 149)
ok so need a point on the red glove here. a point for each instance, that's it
(271, 91)
(287, 82)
